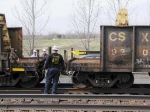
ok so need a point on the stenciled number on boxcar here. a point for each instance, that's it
(145, 52)
(114, 51)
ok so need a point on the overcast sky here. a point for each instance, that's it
(61, 11)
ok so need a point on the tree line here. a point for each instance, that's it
(54, 36)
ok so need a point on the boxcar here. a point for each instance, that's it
(123, 50)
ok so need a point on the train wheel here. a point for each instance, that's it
(127, 81)
(29, 80)
(78, 80)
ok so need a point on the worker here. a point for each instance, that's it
(34, 53)
(53, 63)
(44, 53)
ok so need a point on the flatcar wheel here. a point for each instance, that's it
(126, 84)
(29, 80)
(78, 80)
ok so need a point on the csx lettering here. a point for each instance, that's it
(144, 37)
(120, 36)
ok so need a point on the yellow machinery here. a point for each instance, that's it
(122, 18)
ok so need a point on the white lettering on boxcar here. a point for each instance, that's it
(114, 51)
(145, 52)
(110, 36)
(122, 50)
(145, 37)
(120, 36)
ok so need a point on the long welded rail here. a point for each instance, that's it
(73, 103)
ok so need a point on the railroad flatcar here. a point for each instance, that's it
(14, 68)
(123, 50)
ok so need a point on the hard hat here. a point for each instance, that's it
(34, 51)
(55, 48)
(44, 50)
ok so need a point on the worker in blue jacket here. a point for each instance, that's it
(54, 64)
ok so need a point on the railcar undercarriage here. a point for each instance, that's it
(102, 79)
(26, 73)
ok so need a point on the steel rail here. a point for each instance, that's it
(138, 90)
(72, 108)
(73, 103)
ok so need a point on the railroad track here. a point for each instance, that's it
(64, 88)
(74, 103)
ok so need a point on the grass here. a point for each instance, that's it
(63, 44)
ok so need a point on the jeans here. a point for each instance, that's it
(52, 74)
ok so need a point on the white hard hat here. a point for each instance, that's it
(55, 48)
(34, 51)
(44, 50)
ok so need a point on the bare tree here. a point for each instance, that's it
(84, 20)
(34, 17)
